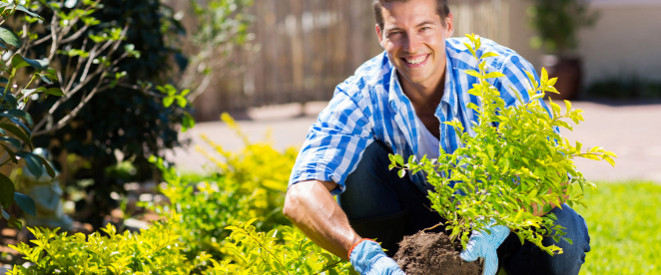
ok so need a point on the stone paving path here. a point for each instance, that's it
(632, 131)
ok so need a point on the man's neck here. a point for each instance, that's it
(425, 99)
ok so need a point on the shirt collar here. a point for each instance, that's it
(396, 96)
(450, 96)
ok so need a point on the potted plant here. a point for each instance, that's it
(557, 24)
(503, 174)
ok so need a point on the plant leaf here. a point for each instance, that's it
(55, 91)
(17, 132)
(6, 191)
(25, 10)
(18, 61)
(18, 113)
(15, 223)
(25, 203)
(33, 163)
(48, 165)
(12, 141)
(10, 37)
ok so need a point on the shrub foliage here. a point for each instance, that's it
(514, 166)
(112, 64)
(22, 79)
(229, 222)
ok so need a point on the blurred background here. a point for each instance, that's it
(305, 48)
(604, 52)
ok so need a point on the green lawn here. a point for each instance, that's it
(625, 228)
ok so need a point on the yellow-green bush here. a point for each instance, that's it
(250, 184)
(282, 250)
(152, 251)
(229, 222)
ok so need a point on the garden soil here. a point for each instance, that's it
(433, 253)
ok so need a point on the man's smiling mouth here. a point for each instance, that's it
(415, 60)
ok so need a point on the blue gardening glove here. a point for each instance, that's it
(484, 245)
(368, 258)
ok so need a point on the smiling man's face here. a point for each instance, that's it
(414, 36)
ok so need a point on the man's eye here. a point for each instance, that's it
(394, 33)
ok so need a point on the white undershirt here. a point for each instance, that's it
(428, 144)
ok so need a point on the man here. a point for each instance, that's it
(397, 103)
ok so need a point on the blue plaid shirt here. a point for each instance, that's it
(371, 105)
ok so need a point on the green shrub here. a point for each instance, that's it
(21, 79)
(250, 184)
(234, 217)
(283, 250)
(156, 250)
(515, 165)
(111, 58)
(226, 223)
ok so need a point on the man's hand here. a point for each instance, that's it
(367, 257)
(484, 245)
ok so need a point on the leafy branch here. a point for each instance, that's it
(21, 79)
(513, 164)
(91, 67)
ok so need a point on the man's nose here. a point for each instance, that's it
(413, 42)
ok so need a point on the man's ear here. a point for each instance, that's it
(378, 34)
(449, 26)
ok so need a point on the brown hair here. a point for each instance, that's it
(442, 10)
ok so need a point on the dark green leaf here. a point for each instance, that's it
(54, 91)
(19, 61)
(33, 163)
(20, 123)
(10, 99)
(25, 203)
(12, 141)
(12, 154)
(25, 116)
(48, 165)
(40, 64)
(6, 191)
(10, 37)
(23, 136)
(25, 10)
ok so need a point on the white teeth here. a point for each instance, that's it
(416, 61)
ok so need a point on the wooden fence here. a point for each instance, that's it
(307, 47)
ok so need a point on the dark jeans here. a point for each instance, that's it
(381, 205)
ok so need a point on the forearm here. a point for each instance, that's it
(311, 207)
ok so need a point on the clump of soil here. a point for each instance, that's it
(433, 253)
